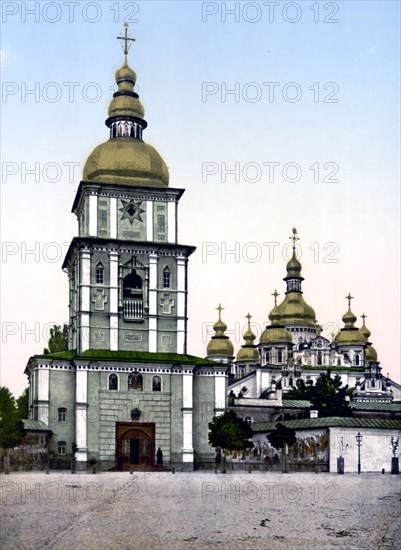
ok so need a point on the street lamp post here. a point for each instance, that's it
(358, 438)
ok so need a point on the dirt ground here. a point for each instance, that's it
(199, 510)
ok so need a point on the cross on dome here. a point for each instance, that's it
(294, 237)
(363, 317)
(219, 309)
(126, 40)
(349, 298)
(275, 294)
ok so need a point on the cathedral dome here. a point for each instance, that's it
(275, 335)
(126, 105)
(350, 334)
(248, 351)
(371, 354)
(126, 161)
(295, 311)
(220, 345)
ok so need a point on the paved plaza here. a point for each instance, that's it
(199, 510)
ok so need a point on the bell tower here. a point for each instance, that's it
(127, 272)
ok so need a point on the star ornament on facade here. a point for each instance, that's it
(131, 211)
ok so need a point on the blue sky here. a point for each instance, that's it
(175, 55)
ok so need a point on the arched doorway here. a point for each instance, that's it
(135, 445)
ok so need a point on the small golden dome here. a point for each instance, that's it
(370, 354)
(349, 336)
(220, 344)
(128, 162)
(248, 351)
(125, 73)
(126, 106)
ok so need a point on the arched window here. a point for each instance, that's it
(62, 414)
(319, 358)
(279, 357)
(99, 273)
(61, 447)
(113, 382)
(156, 383)
(133, 296)
(166, 277)
(242, 372)
(135, 381)
(357, 359)
(267, 356)
(338, 362)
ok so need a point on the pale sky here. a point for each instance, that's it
(316, 93)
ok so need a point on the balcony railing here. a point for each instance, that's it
(133, 309)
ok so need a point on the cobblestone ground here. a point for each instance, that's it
(199, 510)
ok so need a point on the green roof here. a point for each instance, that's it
(35, 425)
(142, 356)
(394, 406)
(327, 422)
(296, 403)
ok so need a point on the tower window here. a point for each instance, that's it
(113, 382)
(135, 381)
(280, 357)
(166, 277)
(319, 358)
(357, 359)
(61, 447)
(100, 273)
(267, 356)
(62, 414)
(156, 383)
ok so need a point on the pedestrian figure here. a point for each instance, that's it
(159, 457)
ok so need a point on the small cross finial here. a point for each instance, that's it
(349, 298)
(249, 317)
(219, 309)
(294, 237)
(363, 317)
(126, 39)
(275, 294)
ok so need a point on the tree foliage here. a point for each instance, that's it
(230, 432)
(58, 340)
(11, 427)
(328, 395)
(282, 436)
(23, 404)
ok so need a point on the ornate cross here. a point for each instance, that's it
(167, 304)
(275, 294)
(349, 298)
(363, 317)
(219, 309)
(126, 39)
(249, 317)
(294, 237)
(99, 299)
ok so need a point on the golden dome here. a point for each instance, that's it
(248, 351)
(125, 73)
(371, 354)
(294, 266)
(126, 161)
(126, 106)
(295, 311)
(220, 344)
(276, 335)
(350, 334)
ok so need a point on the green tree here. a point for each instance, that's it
(281, 437)
(23, 404)
(11, 427)
(328, 395)
(230, 432)
(58, 340)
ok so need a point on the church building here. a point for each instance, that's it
(127, 386)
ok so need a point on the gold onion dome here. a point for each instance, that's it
(371, 354)
(248, 351)
(364, 329)
(275, 332)
(125, 158)
(220, 344)
(349, 334)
